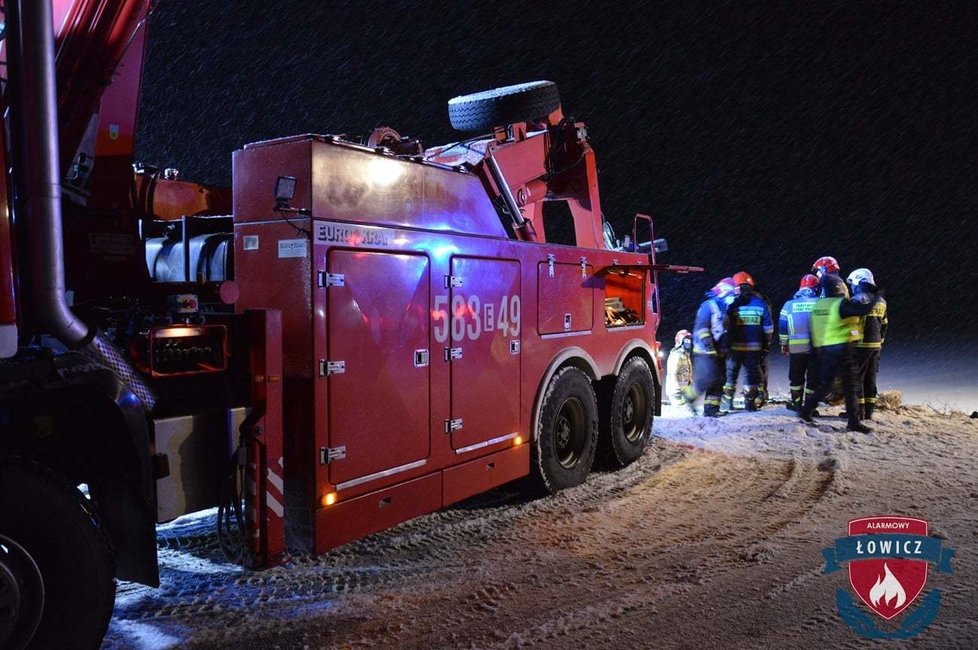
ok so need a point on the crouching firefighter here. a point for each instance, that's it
(679, 368)
(709, 351)
(835, 329)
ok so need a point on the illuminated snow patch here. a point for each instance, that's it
(143, 636)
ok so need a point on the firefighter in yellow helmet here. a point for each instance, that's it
(679, 367)
(835, 328)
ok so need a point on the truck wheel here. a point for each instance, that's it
(60, 557)
(568, 431)
(21, 595)
(626, 414)
(520, 103)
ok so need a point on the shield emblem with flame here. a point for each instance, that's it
(887, 585)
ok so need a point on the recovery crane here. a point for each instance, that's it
(353, 334)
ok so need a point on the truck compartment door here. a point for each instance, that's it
(486, 324)
(378, 367)
(565, 299)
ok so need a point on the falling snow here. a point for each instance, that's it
(761, 136)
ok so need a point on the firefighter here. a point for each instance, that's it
(748, 338)
(862, 284)
(679, 367)
(835, 326)
(709, 351)
(793, 334)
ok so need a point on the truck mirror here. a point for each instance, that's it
(660, 245)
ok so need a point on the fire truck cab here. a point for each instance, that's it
(355, 333)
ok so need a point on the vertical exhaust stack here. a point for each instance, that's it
(32, 71)
(39, 121)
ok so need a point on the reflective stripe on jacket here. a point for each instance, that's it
(794, 322)
(874, 324)
(750, 326)
(708, 328)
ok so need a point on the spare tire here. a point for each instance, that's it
(525, 102)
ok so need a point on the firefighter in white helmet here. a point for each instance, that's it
(709, 349)
(679, 367)
(862, 285)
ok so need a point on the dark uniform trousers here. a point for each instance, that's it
(803, 371)
(833, 360)
(868, 365)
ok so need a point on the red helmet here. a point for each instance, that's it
(682, 334)
(743, 278)
(825, 265)
(808, 282)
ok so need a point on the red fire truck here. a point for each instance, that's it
(354, 334)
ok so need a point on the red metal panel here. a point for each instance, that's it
(486, 323)
(565, 299)
(346, 182)
(378, 325)
(93, 37)
(356, 518)
(265, 503)
(483, 474)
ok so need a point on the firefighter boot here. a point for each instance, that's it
(795, 403)
(868, 409)
(726, 401)
(761, 399)
(854, 409)
(712, 411)
(751, 399)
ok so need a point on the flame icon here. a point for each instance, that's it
(887, 588)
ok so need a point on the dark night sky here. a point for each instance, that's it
(760, 135)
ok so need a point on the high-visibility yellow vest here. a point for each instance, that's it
(828, 326)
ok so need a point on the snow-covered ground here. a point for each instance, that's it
(941, 375)
(712, 539)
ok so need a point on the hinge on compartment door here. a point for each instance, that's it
(331, 279)
(453, 353)
(328, 455)
(453, 425)
(327, 368)
(583, 267)
(452, 281)
(551, 260)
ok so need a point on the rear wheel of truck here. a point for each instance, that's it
(626, 414)
(568, 430)
(59, 558)
(525, 102)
